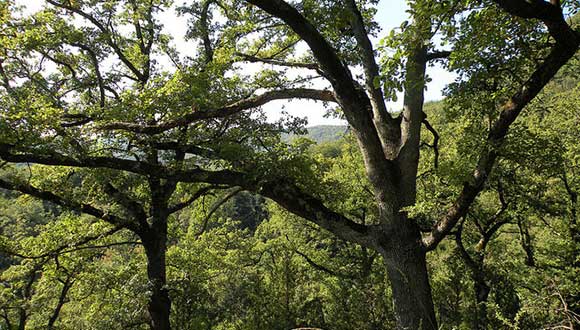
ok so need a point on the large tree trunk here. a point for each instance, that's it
(159, 305)
(406, 265)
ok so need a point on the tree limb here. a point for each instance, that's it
(549, 13)
(66, 285)
(560, 54)
(303, 65)
(287, 194)
(340, 76)
(134, 207)
(388, 127)
(353, 100)
(439, 54)
(95, 61)
(204, 29)
(245, 104)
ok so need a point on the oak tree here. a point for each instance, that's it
(97, 89)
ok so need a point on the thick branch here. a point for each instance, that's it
(219, 177)
(559, 55)
(293, 199)
(354, 101)
(436, 55)
(526, 242)
(303, 65)
(66, 285)
(413, 115)
(340, 76)
(135, 208)
(539, 9)
(249, 103)
(549, 13)
(388, 127)
(284, 193)
(189, 149)
(203, 20)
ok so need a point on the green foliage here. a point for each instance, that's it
(251, 264)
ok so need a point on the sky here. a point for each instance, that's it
(390, 14)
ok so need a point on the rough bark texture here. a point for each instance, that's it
(159, 304)
(407, 272)
(408, 158)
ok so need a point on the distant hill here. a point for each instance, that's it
(326, 133)
(323, 133)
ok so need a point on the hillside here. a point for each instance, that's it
(322, 133)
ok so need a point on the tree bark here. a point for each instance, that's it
(481, 295)
(406, 264)
(159, 304)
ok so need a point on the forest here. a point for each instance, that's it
(144, 186)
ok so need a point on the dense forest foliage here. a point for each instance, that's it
(143, 188)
